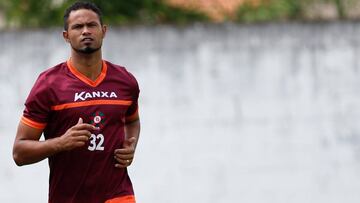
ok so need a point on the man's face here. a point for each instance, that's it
(85, 32)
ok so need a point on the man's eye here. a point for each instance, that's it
(77, 26)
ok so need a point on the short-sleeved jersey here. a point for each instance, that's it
(60, 96)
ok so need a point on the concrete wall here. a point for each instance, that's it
(262, 113)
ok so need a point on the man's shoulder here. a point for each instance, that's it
(53, 71)
(120, 73)
(46, 79)
(115, 67)
(119, 70)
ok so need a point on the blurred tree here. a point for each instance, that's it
(147, 11)
(44, 13)
(340, 8)
(269, 10)
(29, 13)
(274, 10)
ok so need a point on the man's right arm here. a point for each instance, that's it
(29, 149)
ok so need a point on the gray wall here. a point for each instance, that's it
(251, 113)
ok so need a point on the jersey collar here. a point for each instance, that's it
(85, 79)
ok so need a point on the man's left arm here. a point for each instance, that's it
(125, 156)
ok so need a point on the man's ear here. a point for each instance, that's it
(66, 36)
(104, 30)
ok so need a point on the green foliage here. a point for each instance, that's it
(269, 11)
(275, 10)
(340, 8)
(45, 13)
(146, 11)
(22, 13)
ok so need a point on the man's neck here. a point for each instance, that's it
(90, 65)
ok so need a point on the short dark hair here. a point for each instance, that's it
(81, 5)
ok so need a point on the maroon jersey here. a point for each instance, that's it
(60, 96)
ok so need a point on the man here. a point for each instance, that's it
(88, 111)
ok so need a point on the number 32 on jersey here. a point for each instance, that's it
(96, 142)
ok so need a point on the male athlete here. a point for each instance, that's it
(88, 111)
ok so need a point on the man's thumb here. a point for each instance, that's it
(130, 142)
(80, 121)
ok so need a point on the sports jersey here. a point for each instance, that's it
(60, 96)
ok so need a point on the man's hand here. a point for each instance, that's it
(28, 149)
(76, 136)
(125, 156)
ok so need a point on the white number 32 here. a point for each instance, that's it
(96, 142)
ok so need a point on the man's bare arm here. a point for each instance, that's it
(29, 149)
(125, 156)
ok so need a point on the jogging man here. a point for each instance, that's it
(87, 109)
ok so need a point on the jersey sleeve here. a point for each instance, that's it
(37, 105)
(132, 113)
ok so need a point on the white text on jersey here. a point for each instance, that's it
(89, 95)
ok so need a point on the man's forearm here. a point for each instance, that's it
(133, 130)
(32, 151)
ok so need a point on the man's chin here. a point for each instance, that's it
(87, 50)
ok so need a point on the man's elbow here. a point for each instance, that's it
(18, 159)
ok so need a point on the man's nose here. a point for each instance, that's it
(86, 31)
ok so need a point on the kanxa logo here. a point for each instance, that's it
(96, 94)
(97, 119)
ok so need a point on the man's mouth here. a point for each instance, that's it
(87, 39)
